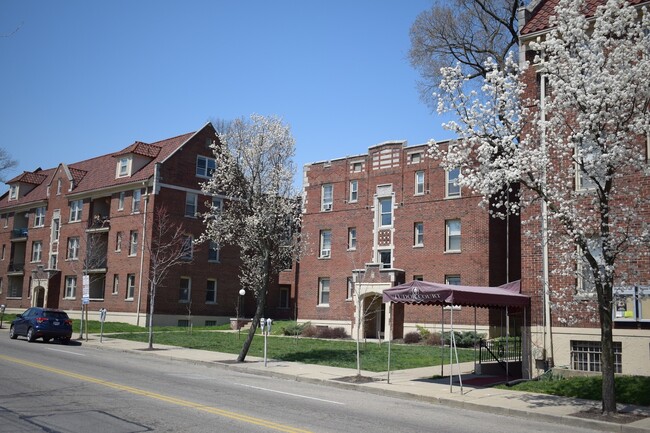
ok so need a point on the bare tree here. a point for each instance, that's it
(261, 215)
(169, 247)
(5, 163)
(467, 32)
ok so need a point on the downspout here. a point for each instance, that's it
(142, 250)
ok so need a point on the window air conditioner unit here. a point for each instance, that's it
(327, 206)
(325, 253)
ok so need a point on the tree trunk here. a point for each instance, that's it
(607, 359)
(260, 298)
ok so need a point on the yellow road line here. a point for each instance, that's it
(161, 397)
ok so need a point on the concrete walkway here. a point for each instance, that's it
(412, 384)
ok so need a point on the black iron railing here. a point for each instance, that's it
(500, 350)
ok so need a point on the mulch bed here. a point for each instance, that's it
(356, 379)
(619, 418)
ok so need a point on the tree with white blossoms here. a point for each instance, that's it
(579, 151)
(261, 214)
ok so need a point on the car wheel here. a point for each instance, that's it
(46, 339)
(30, 335)
(65, 341)
(12, 333)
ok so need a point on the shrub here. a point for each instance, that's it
(294, 329)
(433, 339)
(327, 332)
(412, 338)
(424, 332)
(309, 331)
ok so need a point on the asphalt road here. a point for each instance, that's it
(75, 389)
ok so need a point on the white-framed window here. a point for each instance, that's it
(5, 220)
(419, 182)
(13, 192)
(205, 166)
(349, 288)
(130, 286)
(585, 356)
(213, 252)
(327, 197)
(585, 281)
(76, 208)
(120, 201)
(54, 258)
(217, 205)
(73, 248)
(354, 191)
(123, 166)
(188, 247)
(56, 229)
(418, 234)
(133, 242)
(325, 244)
(135, 200)
(37, 251)
(1, 285)
(586, 155)
(58, 187)
(386, 211)
(116, 284)
(118, 242)
(418, 277)
(191, 200)
(211, 292)
(385, 258)
(323, 291)
(452, 238)
(185, 288)
(70, 287)
(415, 158)
(283, 302)
(39, 216)
(451, 181)
(356, 167)
(352, 238)
(452, 280)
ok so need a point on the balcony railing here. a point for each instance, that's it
(16, 267)
(19, 233)
(99, 222)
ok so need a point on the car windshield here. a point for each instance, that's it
(55, 315)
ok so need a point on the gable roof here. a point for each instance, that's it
(545, 9)
(99, 172)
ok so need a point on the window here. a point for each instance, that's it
(130, 286)
(135, 203)
(190, 204)
(585, 356)
(39, 217)
(386, 211)
(116, 284)
(385, 259)
(587, 154)
(213, 252)
(418, 277)
(5, 220)
(354, 191)
(325, 243)
(352, 238)
(349, 292)
(13, 192)
(585, 281)
(211, 292)
(123, 167)
(15, 289)
(187, 251)
(133, 242)
(73, 248)
(37, 250)
(118, 241)
(283, 302)
(452, 188)
(56, 229)
(75, 210)
(452, 280)
(416, 158)
(452, 230)
(205, 166)
(327, 192)
(356, 167)
(58, 187)
(53, 261)
(323, 291)
(418, 234)
(4, 250)
(70, 287)
(120, 201)
(632, 304)
(184, 290)
(1, 285)
(419, 182)
(217, 205)
(210, 323)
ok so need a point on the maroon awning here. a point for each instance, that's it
(423, 292)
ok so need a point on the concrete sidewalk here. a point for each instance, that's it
(414, 384)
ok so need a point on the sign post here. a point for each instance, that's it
(102, 318)
(85, 300)
(2, 314)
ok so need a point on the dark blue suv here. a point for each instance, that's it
(45, 323)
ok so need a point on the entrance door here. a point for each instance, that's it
(373, 315)
(39, 297)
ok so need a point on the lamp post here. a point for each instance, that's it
(242, 292)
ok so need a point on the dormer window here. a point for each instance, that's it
(123, 167)
(13, 192)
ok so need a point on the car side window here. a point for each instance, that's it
(28, 313)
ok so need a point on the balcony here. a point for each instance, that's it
(16, 268)
(18, 235)
(99, 223)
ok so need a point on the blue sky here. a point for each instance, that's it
(84, 78)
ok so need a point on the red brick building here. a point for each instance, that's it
(392, 215)
(565, 330)
(95, 217)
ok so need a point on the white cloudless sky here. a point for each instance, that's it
(82, 78)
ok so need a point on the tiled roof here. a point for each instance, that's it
(99, 172)
(546, 9)
(35, 178)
